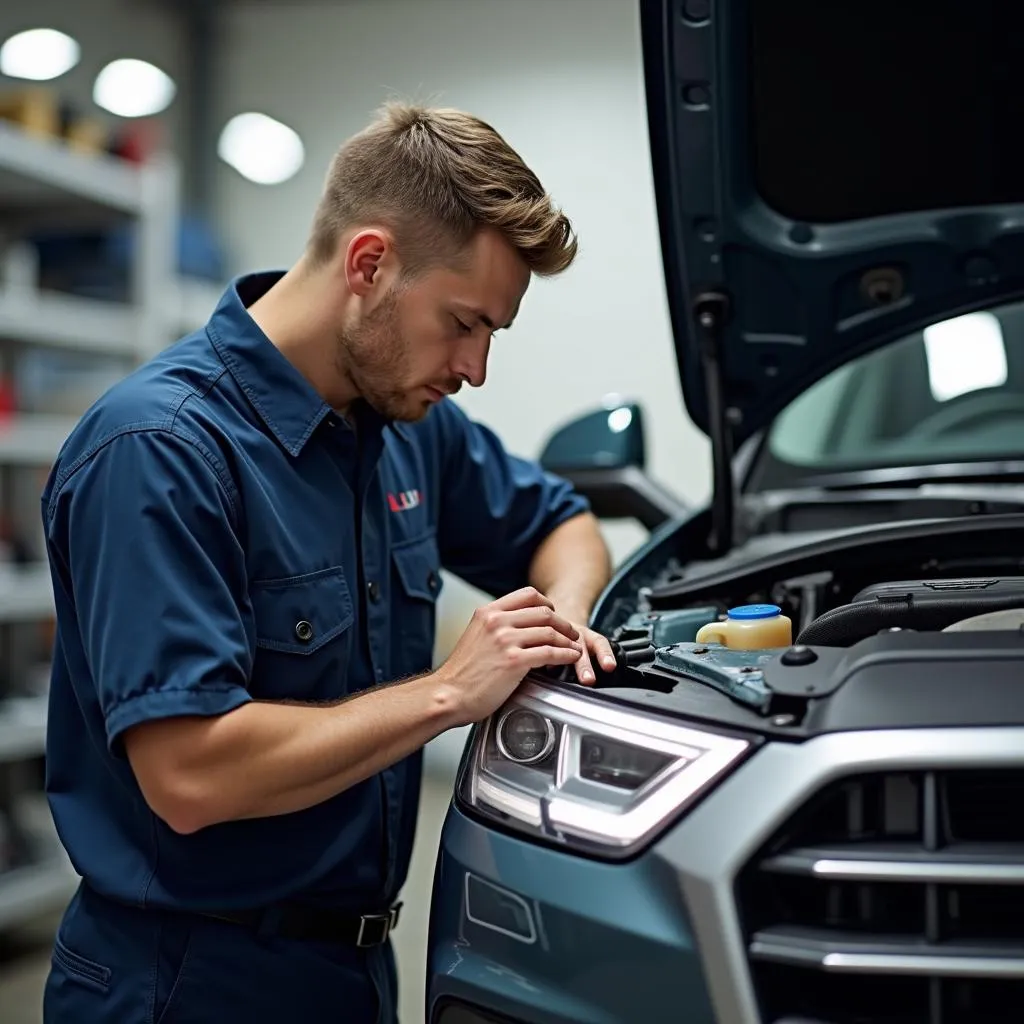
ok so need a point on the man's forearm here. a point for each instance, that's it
(266, 759)
(572, 566)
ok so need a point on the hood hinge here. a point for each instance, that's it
(710, 312)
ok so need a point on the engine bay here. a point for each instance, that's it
(812, 580)
(915, 603)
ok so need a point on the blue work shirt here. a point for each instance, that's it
(217, 534)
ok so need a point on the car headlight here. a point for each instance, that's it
(576, 770)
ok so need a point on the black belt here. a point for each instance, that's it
(297, 921)
(314, 924)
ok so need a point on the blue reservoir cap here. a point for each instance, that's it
(755, 611)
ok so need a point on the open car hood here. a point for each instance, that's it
(829, 176)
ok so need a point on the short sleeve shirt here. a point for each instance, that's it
(218, 534)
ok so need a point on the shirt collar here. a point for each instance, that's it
(286, 402)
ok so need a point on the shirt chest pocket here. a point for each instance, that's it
(416, 585)
(303, 636)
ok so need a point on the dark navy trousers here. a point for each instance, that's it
(114, 964)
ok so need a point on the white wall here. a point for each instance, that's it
(562, 80)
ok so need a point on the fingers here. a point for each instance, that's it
(601, 649)
(525, 597)
(538, 657)
(595, 648)
(541, 616)
(584, 670)
(544, 636)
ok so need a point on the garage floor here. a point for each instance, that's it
(25, 955)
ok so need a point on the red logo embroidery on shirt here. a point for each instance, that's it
(404, 500)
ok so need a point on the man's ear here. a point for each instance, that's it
(365, 257)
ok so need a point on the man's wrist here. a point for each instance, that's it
(443, 699)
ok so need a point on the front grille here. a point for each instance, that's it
(892, 899)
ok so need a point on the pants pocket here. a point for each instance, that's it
(79, 968)
(113, 964)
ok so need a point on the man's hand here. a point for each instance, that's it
(504, 640)
(596, 652)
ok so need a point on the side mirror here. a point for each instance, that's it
(610, 438)
(602, 454)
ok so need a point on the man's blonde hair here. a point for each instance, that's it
(434, 177)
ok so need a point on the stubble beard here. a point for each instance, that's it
(374, 355)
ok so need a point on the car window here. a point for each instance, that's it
(952, 392)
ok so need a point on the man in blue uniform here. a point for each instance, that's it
(246, 538)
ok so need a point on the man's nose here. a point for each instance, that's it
(471, 363)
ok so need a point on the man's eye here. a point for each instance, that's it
(461, 327)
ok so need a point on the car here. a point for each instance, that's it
(798, 797)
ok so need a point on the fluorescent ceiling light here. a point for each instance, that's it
(965, 354)
(133, 88)
(39, 54)
(261, 149)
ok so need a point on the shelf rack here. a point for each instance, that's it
(42, 184)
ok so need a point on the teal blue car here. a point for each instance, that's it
(798, 798)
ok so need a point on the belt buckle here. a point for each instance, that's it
(374, 929)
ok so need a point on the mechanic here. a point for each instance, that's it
(246, 537)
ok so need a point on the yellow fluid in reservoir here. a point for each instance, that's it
(749, 627)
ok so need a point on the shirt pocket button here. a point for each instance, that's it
(303, 631)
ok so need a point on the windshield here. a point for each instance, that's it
(953, 392)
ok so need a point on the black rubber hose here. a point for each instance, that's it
(850, 623)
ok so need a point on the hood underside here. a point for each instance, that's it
(829, 176)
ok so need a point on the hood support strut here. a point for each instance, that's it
(711, 311)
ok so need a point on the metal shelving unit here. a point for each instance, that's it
(64, 321)
(33, 439)
(43, 176)
(43, 184)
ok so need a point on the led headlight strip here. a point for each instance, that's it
(608, 778)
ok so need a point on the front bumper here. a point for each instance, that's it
(658, 938)
(525, 933)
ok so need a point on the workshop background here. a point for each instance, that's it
(151, 149)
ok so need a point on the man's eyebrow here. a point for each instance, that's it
(485, 319)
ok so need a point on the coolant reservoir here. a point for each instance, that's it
(750, 627)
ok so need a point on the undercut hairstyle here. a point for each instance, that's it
(434, 177)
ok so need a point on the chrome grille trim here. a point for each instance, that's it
(968, 869)
(850, 955)
(718, 837)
